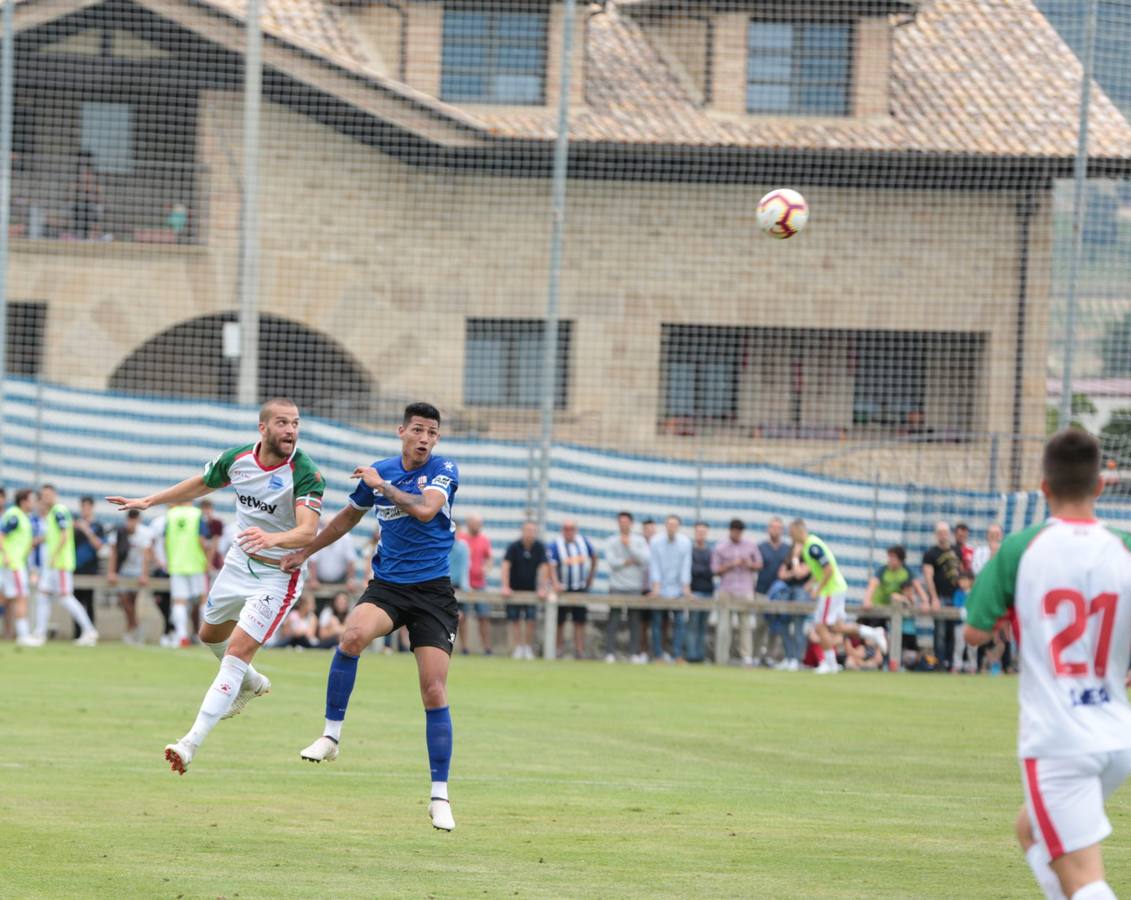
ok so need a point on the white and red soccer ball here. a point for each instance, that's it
(782, 213)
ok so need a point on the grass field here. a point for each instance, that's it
(569, 780)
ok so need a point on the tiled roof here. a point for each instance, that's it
(969, 77)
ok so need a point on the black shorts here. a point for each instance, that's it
(579, 614)
(428, 609)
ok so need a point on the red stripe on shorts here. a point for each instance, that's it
(1044, 822)
(825, 611)
(287, 601)
(20, 592)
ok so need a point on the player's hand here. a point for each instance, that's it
(254, 540)
(506, 591)
(124, 503)
(370, 476)
(142, 580)
(292, 561)
(111, 578)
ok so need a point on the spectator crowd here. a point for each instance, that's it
(44, 545)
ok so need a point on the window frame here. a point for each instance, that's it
(513, 333)
(493, 46)
(797, 59)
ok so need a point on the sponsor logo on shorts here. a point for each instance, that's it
(451, 638)
(263, 606)
(256, 503)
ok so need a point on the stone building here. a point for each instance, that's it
(405, 216)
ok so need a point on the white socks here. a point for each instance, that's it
(1038, 859)
(179, 615)
(439, 790)
(42, 614)
(333, 729)
(1097, 890)
(868, 632)
(78, 612)
(830, 658)
(70, 604)
(218, 698)
(21, 628)
(251, 680)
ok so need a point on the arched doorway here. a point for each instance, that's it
(187, 360)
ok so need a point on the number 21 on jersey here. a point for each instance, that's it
(1103, 606)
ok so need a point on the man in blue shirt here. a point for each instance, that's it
(412, 495)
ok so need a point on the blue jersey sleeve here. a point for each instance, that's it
(9, 524)
(60, 520)
(443, 476)
(362, 496)
(817, 554)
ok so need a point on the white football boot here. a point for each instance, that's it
(441, 813)
(88, 638)
(179, 755)
(325, 748)
(246, 695)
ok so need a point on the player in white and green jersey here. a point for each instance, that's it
(828, 587)
(1066, 584)
(278, 501)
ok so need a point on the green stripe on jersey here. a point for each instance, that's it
(216, 470)
(992, 594)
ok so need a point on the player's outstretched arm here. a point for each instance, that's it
(422, 507)
(187, 490)
(338, 527)
(254, 540)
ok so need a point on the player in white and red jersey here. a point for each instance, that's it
(1066, 584)
(279, 494)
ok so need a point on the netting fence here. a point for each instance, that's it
(394, 234)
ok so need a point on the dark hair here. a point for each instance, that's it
(86, 498)
(1071, 464)
(424, 410)
(627, 515)
(898, 551)
(737, 523)
(133, 514)
(648, 521)
(962, 525)
(47, 487)
(22, 494)
(701, 522)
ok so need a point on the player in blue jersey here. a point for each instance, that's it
(412, 496)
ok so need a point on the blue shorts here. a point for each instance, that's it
(483, 610)
(516, 611)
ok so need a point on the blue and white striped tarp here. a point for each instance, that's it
(99, 443)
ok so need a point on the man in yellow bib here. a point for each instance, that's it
(828, 588)
(15, 548)
(186, 549)
(58, 576)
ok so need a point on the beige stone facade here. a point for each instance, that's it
(391, 260)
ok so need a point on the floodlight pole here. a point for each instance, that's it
(248, 390)
(1079, 207)
(558, 212)
(7, 79)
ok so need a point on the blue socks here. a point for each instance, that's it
(339, 686)
(438, 732)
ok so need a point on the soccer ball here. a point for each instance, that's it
(782, 213)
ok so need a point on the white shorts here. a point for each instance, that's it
(830, 610)
(188, 587)
(257, 598)
(56, 581)
(15, 583)
(1065, 797)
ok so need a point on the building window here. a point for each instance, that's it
(700, 370)
(107, 135)
(494, 56)
(799, 68)
(27, 323)
(503, 363)
(820, 383)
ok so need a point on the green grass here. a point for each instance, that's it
(569, 780)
